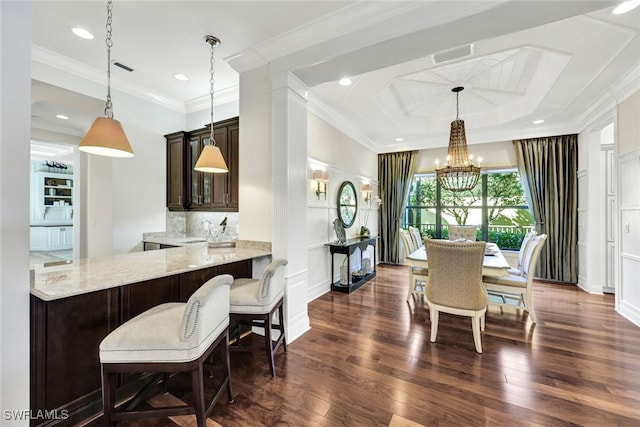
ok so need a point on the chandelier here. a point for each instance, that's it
(211, 160)
(458, 172)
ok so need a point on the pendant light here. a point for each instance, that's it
(211, 160)
(106, 136)
(458, 172)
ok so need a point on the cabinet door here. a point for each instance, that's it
(233, 164)
(176, 195)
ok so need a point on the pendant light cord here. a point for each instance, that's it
(212, 81)
(108, 110)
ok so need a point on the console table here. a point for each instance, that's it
(348, 248)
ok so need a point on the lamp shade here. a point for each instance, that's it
(211, 160)
(106, 138)
(366, 187)
(320, 175)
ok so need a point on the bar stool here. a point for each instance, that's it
(253, 302)
(171, 337)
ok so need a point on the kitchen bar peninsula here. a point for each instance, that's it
(74, 305)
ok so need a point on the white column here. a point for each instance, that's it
(289, 138)
(15, 122)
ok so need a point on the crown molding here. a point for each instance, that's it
(223, 96)
(75, 68)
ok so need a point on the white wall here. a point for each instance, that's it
(628, 292)
(15, 120)
(255, 174)
(345, 160)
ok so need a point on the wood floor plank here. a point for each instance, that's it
(368, 361)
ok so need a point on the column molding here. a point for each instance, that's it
(289, 137)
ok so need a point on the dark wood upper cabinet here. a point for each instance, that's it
(188, 189)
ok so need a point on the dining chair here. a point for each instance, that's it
(467, 232)
(169, 338)
(515, 290)
(523, 249)
(254, 302)
(416, 237)
(455, 284)
(417, 276)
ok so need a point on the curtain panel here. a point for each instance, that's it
(549, 171)
(395, 172)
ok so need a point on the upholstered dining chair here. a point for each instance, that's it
(518, 287)
(455, 283)
(523, 249)
(417, 276)
(253, 302)
(416, 237)
(171, 337)
(467, 232)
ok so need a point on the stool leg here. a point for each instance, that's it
(269, 343)
(228, 362)
(281, 317)
(108, 395)
(198, 395)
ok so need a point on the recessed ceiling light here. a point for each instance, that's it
(399, 139)
(62, 117)
(181, 77)
(82, 33)
(537, 122)
(345, 81)
(626, 6)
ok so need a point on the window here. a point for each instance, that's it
(497, 205)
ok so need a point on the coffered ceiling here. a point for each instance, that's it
(558, 61)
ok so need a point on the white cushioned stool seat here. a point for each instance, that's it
(171, 337)
(245, 297)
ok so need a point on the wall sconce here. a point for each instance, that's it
(321, 177)
(366, 192)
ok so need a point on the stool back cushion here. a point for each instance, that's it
(207, 311)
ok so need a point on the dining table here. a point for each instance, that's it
(493, 263)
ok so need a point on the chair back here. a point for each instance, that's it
(467, 232)
(523, 247)
(531, 257)
(265, 291)
(407, 242)
(207, 310)
(455, 274)
(416, 237)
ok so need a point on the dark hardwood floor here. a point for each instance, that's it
(367, 360)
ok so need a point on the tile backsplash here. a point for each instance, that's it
(192, 223)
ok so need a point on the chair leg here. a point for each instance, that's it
(483, 321)
(108, 395)
(529, 306)
(198, 395)
(477, 338)
(434, 322)
(412, 284)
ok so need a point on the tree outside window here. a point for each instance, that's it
(497, 205)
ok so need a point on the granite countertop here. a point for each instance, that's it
(64, 279)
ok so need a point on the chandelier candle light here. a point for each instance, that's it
(458, 172)
(211, 159)
(106, 137)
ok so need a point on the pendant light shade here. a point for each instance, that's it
(458, 173)
(106, 138)
(211, 160)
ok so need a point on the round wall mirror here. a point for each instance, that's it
(347, 204)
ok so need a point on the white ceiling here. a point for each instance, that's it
(562, 61)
